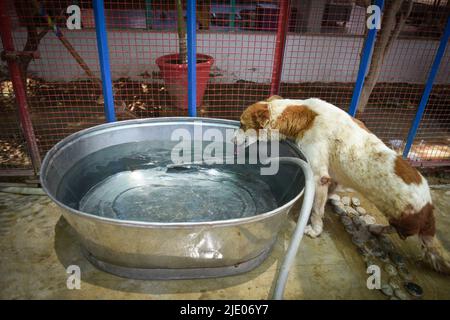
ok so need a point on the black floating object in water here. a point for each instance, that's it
(414, 289)
(180, 168)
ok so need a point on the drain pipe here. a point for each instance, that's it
(305, 211)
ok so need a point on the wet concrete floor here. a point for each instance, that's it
(37, 245)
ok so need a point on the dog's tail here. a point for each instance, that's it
(435, 254)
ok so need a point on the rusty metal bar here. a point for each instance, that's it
(280, 43)
(19, 87)
(16, 172)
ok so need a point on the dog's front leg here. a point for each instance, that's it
(322, 184)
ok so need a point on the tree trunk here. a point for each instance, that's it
(394, 18)
(32, 45)
(26, 15)
(181, 33)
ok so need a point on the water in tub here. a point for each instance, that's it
(138, 181)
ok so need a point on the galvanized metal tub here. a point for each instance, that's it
(175, 250)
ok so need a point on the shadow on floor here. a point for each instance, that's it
(69, 252)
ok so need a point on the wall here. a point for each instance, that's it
(238, 56)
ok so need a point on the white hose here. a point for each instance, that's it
(297, 236)
(305, 211)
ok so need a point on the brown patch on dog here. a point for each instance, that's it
(325, 180)
(361, 124)
(407, 173)
(295, 120)
(255, 116)
(421, 222)
(274, 97)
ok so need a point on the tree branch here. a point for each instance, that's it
(403, 16)
(388, 26)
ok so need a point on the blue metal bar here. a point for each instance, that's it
(428, 88)
(103, 56)
(192, 61)
(364, 64)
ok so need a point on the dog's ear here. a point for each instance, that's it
(260, 115)
(274, 97)
(295, 120)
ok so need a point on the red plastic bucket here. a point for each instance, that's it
(175, 77)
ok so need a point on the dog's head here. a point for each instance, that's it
(411, 222)
(257, 115)
(253, 119)
(291, 121)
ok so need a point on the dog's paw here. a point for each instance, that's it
(309, 231)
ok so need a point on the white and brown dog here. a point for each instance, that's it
(342, 150)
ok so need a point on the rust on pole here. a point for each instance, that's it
(19, 87)
(280, 42)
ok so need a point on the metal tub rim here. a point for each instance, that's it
(146, 224)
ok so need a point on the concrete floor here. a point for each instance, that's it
(37, 245)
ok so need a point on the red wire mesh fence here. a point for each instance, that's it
(323, 50)
(432, 143)
(393, 103)
(321, 59)
(13, 147)
(62, 97)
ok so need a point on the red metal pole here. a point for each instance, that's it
(280, 42)
(19, 86)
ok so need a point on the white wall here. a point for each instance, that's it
(238, 56)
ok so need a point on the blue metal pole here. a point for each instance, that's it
(103, 55)
(428, 88)
(192, 61)
(364, 64)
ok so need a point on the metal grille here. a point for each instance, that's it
(241, 45)
(321, 59)
(62, 97)
(393, 103)
(322, 51)
(432, 143)
(13, 148)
